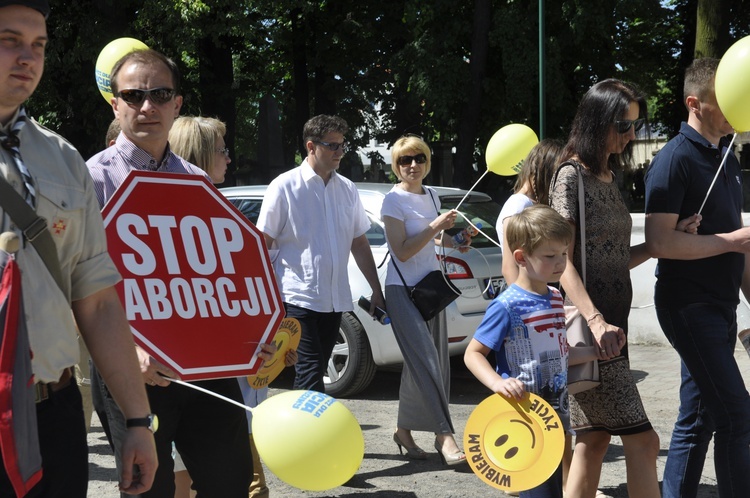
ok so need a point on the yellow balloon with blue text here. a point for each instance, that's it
(308, 439)
(508, 147)
(110, 54)
(732, 85)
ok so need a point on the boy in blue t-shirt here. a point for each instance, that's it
(525, 325)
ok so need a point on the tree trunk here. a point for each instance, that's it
(712, 28)
(467, 127)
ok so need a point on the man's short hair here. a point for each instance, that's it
(319, 126)
(145, 56)
(535, 225)
(40, 5)
(112, 132)
(699, 78)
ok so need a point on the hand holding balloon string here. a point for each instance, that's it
(475, 227)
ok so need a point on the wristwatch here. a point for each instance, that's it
(150, 422)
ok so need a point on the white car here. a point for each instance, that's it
(364, 344)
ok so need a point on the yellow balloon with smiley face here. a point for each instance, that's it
(514, 446)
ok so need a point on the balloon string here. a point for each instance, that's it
(721, 166)
(197, 388)
(469, 222)
(472, 188)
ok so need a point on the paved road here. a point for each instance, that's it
(384, 474)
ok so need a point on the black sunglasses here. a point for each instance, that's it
(407, 160)
(332, 146)
(624, 125)
(136, 97)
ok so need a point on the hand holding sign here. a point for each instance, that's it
(198, 286)
(514, 445)
(286, 339)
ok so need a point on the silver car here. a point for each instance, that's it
(364, 344)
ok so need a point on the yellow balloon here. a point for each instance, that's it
(508, 147)
(733, 85)
(308, 439)
(110, 54)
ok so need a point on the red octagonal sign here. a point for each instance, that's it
(198, 286)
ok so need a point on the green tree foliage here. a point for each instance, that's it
(453, 72)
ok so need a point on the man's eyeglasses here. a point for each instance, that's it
(157, 96)
(332, 146)
(224, 151)
(407, 160)
(624, 125)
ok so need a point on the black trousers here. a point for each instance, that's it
(62, 440)
(317, 339)
(210, 434)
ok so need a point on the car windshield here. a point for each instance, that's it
(478, 210)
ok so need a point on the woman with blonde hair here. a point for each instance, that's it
(200, 141)
(413, 224)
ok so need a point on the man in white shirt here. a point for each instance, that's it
(314, 218)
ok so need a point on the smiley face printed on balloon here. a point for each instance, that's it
(514, 446)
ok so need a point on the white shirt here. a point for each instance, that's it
(313, 224)
(514, 205)
(416, 211)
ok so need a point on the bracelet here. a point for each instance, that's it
(588, 320)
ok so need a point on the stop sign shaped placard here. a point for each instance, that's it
(198, 285)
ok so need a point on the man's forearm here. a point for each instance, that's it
(103, 326)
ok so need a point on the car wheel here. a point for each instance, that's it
(351, 367)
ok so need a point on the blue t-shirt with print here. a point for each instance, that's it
(527, 333)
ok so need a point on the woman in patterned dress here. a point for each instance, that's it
(600, 142)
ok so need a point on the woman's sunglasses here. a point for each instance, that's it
(157, 96)
(407, 160)
(624, 125)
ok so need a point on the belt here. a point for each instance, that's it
(43, 390)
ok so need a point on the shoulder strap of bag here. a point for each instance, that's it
(393, 260)
(33, 226)
(429, 192)
(442, 248)
(581, 212)
(582, 217)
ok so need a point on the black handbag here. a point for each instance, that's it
(434, 292)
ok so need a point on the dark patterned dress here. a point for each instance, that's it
(615, 406)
